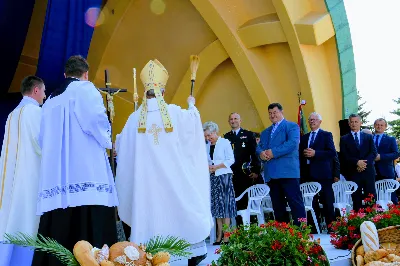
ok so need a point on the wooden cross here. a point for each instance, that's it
(110, 92)
(155, 130)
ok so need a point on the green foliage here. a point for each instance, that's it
(271, 244)
(170, 244)
(395, 124)
(347, 229)
(44, 244)
(362, 113)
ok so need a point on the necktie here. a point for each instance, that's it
(376, 141)
(356, 139)
(273, 129)
(312, 139)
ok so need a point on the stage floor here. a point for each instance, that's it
(336, 257)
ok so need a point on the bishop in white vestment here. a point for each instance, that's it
(77, 195)
(19, 173)
(162, 176)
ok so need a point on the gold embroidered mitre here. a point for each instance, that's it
(154, 76)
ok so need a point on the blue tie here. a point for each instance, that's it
(273, 129)
(377, 141)
(312, 139)
(357, 140)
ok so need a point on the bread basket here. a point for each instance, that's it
(386, 235)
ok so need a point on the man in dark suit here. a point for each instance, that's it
(244, 148)
(279, 151)
(387, 152)
(359, 153)
(317, 154)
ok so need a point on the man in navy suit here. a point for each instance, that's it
(279, 151)
(317, 154)
(387, 152)
(358, 152)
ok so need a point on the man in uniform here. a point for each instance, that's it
(244, 147)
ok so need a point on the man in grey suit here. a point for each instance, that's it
(279, 151)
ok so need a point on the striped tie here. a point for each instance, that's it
(273, 129)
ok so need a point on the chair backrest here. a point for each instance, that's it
(343, 190)
(256, 194)
(309, 190)
(384, 189)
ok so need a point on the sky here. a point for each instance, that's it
(375, 32)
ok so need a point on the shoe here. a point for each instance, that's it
(196, 260)
(217, 243)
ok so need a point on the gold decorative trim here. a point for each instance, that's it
(16, 156)
(5, 161)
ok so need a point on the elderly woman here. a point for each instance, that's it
(223, 204)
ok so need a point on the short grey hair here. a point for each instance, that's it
(354, 115)
(316, 114)
(381, 119)
(210, 126)
(366, 131)
(151, 93)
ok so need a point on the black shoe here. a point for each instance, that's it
(196, 260)
(217, 243)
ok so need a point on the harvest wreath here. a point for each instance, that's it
(156, 252)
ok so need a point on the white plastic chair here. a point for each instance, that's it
(309, 190)
(266, 205)
(384, 189)
(256, 194)
(342, 191)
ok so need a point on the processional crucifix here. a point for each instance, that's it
(110, 93)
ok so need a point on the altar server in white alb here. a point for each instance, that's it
(19, 172)
(162, 175)
(76, 195)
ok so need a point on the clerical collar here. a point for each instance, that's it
(31, 100)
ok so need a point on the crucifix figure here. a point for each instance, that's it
(155, 130)
(110, 92)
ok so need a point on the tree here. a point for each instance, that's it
(395, 124)
(362, 113)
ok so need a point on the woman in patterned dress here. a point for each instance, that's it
(223, 204)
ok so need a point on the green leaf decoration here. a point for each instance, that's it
(173, 245)
(44, 244)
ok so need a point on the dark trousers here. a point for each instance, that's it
(395, 200)
(289, 188)
(95, 224)
(366, 184)
(326, 198)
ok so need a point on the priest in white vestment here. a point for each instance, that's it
(162, 175)
(77, 195)
(19, 172)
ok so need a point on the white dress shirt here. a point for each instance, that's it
(309, 140)
(358, 135)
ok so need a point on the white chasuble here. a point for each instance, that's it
(74, 135)
(162, 178)
(19, 170)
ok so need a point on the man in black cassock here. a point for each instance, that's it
(77, 196)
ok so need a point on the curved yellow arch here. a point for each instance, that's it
(210, 58)
(251, 53)
(218, 18)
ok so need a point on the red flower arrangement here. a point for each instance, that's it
(346, 230)
(272, 243)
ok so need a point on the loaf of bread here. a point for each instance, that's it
(369, 236)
